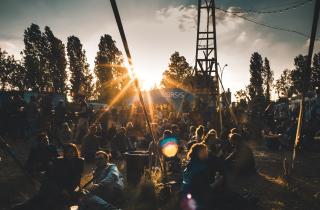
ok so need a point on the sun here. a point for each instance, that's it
(147, 81)
(149, 74)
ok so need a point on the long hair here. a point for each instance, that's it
(211, 134)
(200, 132)
(73, 147)
(195, 149)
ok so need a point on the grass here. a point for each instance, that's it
(300, 192)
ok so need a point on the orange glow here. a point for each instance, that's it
(170, 150)
(145, 71)
(116, 98)
(150, 106)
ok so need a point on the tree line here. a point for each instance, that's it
(46, 64)
(288, 84)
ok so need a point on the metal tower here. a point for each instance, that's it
(206, 67)
(206, 48)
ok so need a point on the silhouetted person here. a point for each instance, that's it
(90, 144)
(32, 112)
(204, 182)
(199, 181)
(120, 143)
(60, 113)
(82, 126)
(41, 155)
(62, 179)
(241, 159)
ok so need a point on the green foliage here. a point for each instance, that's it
(283, 85)
(297, 74)
(177, 73)
(256, 79)
(241, 95)
(56, 61)
(35, 62)
(81, 78)
(268, 79)
(315, 78)
(12, 73)
(108, 68)
(4, 71)
(44, 60)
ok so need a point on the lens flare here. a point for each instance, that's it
(169, 147)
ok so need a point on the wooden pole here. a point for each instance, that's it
(126, 48)
(306, 79)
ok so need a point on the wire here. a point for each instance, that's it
(281, 4)
(263, 24)
(295, 6)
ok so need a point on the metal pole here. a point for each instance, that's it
(126, 48)
(198, 30)
(306, 79)
(228, 102)
(213, 5)
(7, 149)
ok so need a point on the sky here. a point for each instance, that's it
(157, 28)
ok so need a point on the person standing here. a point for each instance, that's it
(83, 124)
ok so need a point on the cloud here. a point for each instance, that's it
(316, 46)
(11, 47)
(155, 33)
(5, 36)
(185, 16)
(237, 40)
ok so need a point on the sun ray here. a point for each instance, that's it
(150, 104)
(115, 99)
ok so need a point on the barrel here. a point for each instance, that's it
(136, 161)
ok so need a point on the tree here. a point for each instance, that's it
(268, 79)
(4, 74)
(81, 79)
(108, 61)
(35, 62)
(283, 85)
(177, 73)
(56, 58)
(12, 74)
(315, 78)
(87, 88)
(18, 79)
(241, 95)
(256, 80)
(297, 74)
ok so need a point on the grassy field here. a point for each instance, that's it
(301, 191)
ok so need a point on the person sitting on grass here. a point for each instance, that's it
(58, 188)
(107, 188)
(90, 144)
(199, 180)
(204, 183)
(217, 147)
(41, 155)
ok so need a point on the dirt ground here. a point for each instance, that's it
(301, 192)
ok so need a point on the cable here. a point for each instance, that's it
(274, 11)
(281, 4)
(265, 25)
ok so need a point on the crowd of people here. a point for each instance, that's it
(64, 139)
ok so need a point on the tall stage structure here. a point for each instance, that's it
(206, 74)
